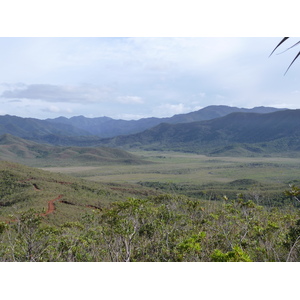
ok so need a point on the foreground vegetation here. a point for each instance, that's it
(181, 207)
(160, 228)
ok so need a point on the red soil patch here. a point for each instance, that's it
(51, 206)
(51, 209)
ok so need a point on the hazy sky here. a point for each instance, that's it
(132, 78)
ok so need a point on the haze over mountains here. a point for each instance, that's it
(108, 127)
(51, 130)
(214, 130)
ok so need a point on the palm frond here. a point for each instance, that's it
(292, 62)
(283, 40)
(289, 48)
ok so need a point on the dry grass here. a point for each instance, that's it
(191, 168)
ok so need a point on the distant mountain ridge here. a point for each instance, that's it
(263, 132)
(253, 133)
(82, 131)
(29, 128)
(107, 127)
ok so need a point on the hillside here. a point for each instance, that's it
(23, 188)
(30, 153)
(234, 134)
(108, 127)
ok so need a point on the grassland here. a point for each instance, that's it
(261, 178)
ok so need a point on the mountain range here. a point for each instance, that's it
(107, 127)
(236, 133)
(84, 131)
(214, 130)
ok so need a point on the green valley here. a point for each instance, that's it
(224, 189)
(179, 207)
(203, 177)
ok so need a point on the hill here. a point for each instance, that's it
(30, 153)
(233, 134)
(59, 198)
(108, 127)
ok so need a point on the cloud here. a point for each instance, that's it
(167, 110)
(59, 93)
(130, 100)
(86, 94)
(56, 109)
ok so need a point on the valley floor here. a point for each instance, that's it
(192, 174)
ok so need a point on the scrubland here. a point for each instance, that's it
(179, 207)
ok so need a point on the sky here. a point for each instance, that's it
(138, 76)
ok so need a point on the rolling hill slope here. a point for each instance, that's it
(30, 153)
(58, 198)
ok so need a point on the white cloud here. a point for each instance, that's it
(52, 108)
(168, 109)
(130, 100)
(56, 93)
(57, 109)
